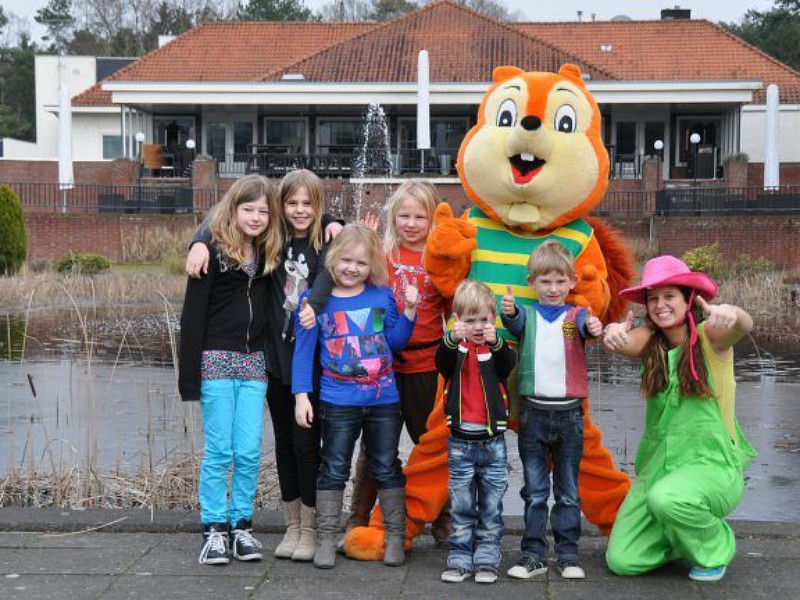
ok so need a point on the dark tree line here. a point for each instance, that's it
(775, 31)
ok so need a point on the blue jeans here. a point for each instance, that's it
(341, 426)
(546, 435)
(233, 411)
(478, 481)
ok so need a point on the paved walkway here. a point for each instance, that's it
(49, 554)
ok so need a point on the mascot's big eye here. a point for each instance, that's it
(507, 115)
(566, 120)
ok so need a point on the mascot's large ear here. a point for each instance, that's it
(505, 73)
(572, 72)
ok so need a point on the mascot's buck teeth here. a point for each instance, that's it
(497, 235)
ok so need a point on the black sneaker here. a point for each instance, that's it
(527, 567)
(571, 569)
(215, 545)
(245, 546)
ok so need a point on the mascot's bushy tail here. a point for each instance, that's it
(617, 255)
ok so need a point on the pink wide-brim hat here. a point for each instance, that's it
(668, 270)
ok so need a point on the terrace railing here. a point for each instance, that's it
(342, 163)
(731, 201)
(126, 199)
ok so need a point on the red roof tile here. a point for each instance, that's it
(675, 50)
(463, 46)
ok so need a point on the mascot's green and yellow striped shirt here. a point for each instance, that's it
(501, 257)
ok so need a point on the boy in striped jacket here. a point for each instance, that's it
(475, 363)
(552, 383)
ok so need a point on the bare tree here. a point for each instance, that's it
(349, 11)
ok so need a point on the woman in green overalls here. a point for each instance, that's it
(691, 460)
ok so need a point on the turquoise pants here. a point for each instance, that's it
(233, 411)
(680, 515)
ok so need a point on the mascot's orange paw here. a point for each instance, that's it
(364, 543)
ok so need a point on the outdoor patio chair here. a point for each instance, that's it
(156, 161)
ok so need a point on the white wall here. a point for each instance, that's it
(754, 123)
(78, 72)
(13, 148)
(88, 131)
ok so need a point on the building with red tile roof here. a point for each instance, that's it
(272, 95)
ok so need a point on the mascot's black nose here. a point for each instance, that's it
(531, 123)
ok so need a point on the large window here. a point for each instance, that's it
(215, 140)
(112, 146)
(706, 127)
(446, 134)
(338, 136)
(173, 132)
(242, 137)
(288, 134)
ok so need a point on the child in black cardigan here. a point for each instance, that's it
(475, 361)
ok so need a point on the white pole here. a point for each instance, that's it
(423, 107)
(772, 178)
(66, 177)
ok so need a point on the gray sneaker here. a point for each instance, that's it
(485, 574)
(456, 575)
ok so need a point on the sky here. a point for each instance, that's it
(535, 10)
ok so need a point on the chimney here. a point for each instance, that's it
(580, 16)
(675, 14)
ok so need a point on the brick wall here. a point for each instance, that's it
(789, 174)
(774, 237)
(46, 171)
(51, 236)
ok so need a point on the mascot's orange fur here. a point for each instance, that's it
(534, 166)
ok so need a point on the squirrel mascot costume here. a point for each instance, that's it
(533, 166)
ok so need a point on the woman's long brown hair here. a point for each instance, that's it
(655, 363)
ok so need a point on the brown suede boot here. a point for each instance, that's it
(441, 528)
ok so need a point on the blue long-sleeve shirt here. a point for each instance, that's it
(356, 337)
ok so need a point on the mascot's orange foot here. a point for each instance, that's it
(364, 543)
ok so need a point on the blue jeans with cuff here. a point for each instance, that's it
(233, 411)
(478, 481)
(546, 435)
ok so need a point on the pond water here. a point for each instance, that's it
(117, 407)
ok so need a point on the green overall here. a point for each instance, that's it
(690, 475)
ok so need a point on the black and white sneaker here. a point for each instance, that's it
(215, 545)
(527, 567)
(244, 546)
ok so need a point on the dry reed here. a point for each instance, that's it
(172, 486)
(53, 290)
(149, 245)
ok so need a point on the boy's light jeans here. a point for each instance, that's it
(233, 412)
(478, 481)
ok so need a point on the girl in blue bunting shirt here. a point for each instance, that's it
(356, 334)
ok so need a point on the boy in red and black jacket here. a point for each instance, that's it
(475, 362)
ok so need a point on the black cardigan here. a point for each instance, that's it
(494, 372)
(221, 311)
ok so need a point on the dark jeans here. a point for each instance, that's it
(341, 425)
(478, 480)
(546, 435)
(296, 448)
